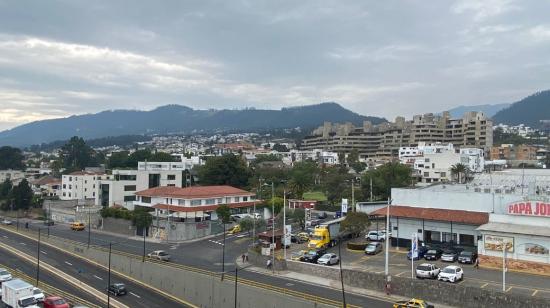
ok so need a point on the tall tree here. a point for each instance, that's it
(459, 170)
(224, 170)
(118, 160)
(162, 157)
(224, 213)
(77, 155)
(280, 147)
(356, 223)
(5, 189)
(22, 195)
(137, 156)
(384, 178)
(302, 177)
(11, 158)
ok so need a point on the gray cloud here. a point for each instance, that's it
(375, 57)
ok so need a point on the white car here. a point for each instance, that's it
(376, 235)
(38, 294)
(328, 259)
(451, 273)
(4, 275)
(7, 222)
(427, 270)
(28, 302)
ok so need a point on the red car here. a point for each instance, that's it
(55, 302)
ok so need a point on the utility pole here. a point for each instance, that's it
(342, 273)
(370, 189)
(284, 220)
(353, 194)
(89, 228)
(236, 275)
(503, 266)
(273, 224)
(387, 239)
(109, 278)
(38, 259)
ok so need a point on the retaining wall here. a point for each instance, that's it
(203, 290)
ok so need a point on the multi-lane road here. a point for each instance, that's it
(205, 254)
(85, 272)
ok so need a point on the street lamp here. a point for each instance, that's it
(38, 258)
(272, 223)
(284, 217)
(387, 239)
(109, 277)
(341, 272)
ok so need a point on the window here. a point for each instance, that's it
(220, 200)
(129, 187)
(69, 194)
(433, 165)
(210, 201)
(171, 177)
(70, 178)
(63, 194)
(85, 181)
(237, 199)
(245, 199)
(146, 199)
(426, 174)
(93, 194)
(195, 202)
(85, 189)
(181, 201)
(129, 198)
(70, 186)
(126, 177)
(443, 174)
(172, 185)
(64, 186)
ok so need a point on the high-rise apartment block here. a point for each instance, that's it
(382, 141)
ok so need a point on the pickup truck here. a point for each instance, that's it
(427, 270)
(413, 303)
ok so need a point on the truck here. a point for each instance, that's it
(17, 293)
(326, 234)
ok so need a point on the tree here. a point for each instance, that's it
(302, 177)
(384, 178)
(266, 157)
(141, 217)
(77, 155)
(298, 215)
(118, 160)
(224, 170)
(336, 184)
(247, 224)
(5, 189)
(354, 163)
(137, 156)
(11, 158)
(276, 202)
(224, 213)
(355, 223)
(280, 147)
(22, 195)
(458, 170)
(162, 157)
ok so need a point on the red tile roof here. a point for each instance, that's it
(47, 180)
(193, 192)
(204, 208)
(458, 216)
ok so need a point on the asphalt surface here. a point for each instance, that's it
(94, 276)
(206, 254)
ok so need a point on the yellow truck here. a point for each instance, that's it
(326, 234)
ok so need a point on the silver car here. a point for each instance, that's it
(4, 275)
(159, 255)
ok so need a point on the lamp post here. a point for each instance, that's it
(109, 278)
(387, 239)
(38, 258)
(273, 225)
(503, 266)
(223, 249)
(284, 218)
(341, 272)
(144, 231)
(89, 228)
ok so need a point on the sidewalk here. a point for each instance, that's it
(333, 284)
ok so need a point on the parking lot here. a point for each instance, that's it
(516, 283)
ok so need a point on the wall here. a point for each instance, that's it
(183, 231)
(432, 291)
(203, 289)
(119, 226)
(406, 227)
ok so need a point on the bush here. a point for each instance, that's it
(357, 245)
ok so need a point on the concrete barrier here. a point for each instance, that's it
(196, 287)
(435, 291)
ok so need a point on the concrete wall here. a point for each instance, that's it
(204, 290)
(432, 291)
(183, 231)
(119, 226)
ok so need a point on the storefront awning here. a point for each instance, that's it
(514, 228)
(457, 216)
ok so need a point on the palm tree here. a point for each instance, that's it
(459, 169)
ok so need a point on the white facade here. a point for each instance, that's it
(319, 156)
(434, 231)
(473, 158)
(80, 185)
(436, 167)
(15, 176)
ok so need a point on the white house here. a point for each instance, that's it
(80, 185)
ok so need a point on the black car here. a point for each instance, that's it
(322, 215)
(118, 289)
(48, 222)
(467, 257)
(433, 254)
(313, 255)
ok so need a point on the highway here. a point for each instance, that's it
(88, 273)
(207, 254)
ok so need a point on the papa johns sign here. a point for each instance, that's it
(529, 208)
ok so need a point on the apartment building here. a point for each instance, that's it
(513, 152)
(384, 140)
(15, 176)
(81, 185)
(316, 155)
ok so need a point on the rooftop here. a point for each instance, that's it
(193, 192)
(457, 216)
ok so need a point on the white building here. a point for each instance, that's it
(317, 155)
(81, 185)
(46, 186)
(15, 176)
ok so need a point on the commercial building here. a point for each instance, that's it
(316, 155)
(510, 208)
(383, 141)
(81, 185)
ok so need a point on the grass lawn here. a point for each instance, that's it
(314, 195)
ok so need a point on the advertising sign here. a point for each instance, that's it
(529, 208)
(288, 234)
(535, 249)
(344, 205)
(492, 242)
(414, 244)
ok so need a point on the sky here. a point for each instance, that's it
(381, 58)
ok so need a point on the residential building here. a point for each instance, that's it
(317, 155)
(15, 176)
(47, 186)
(81, 185)
(516, 154)
(383, 141)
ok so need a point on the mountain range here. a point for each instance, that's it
(177, 119)
(487, 109)
(529, 111)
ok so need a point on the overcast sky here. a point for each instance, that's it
(383, 58)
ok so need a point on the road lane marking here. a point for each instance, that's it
(510, 288)
(98, 277)
(42, 251)
(68, 263)
(23, 244)
(5, 236)
(484, 285)
(399, 275)
(535, 293)
(134, 294)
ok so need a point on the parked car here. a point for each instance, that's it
(236, 229)
(427, 270)
(4, 275)
(313, 255)
(55, 302)
(38, 294)
(297, 255)
(467, 257)
(373, 248)
(376, 235)
(328, 259)
(160, 255)
(118, 289)
(7, 222)
(433, 254)
(77, 226)
(413, 303)
(421, 252)
(450, 255)
(451, 273)
(48, 222)
(304, 236)
(322, 215)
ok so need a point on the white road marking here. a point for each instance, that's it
(98, 277)
(216, 242)
(68, 263)
(134, 294)
(241, 235)
(23, 244)
(5, 236)
(42, 251)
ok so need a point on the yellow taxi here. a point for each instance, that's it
(413, 303)
(235, 229)
(77, 226)
(303, 236)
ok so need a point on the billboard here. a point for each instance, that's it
(529, 208)
(493, 242)
(344, 205)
